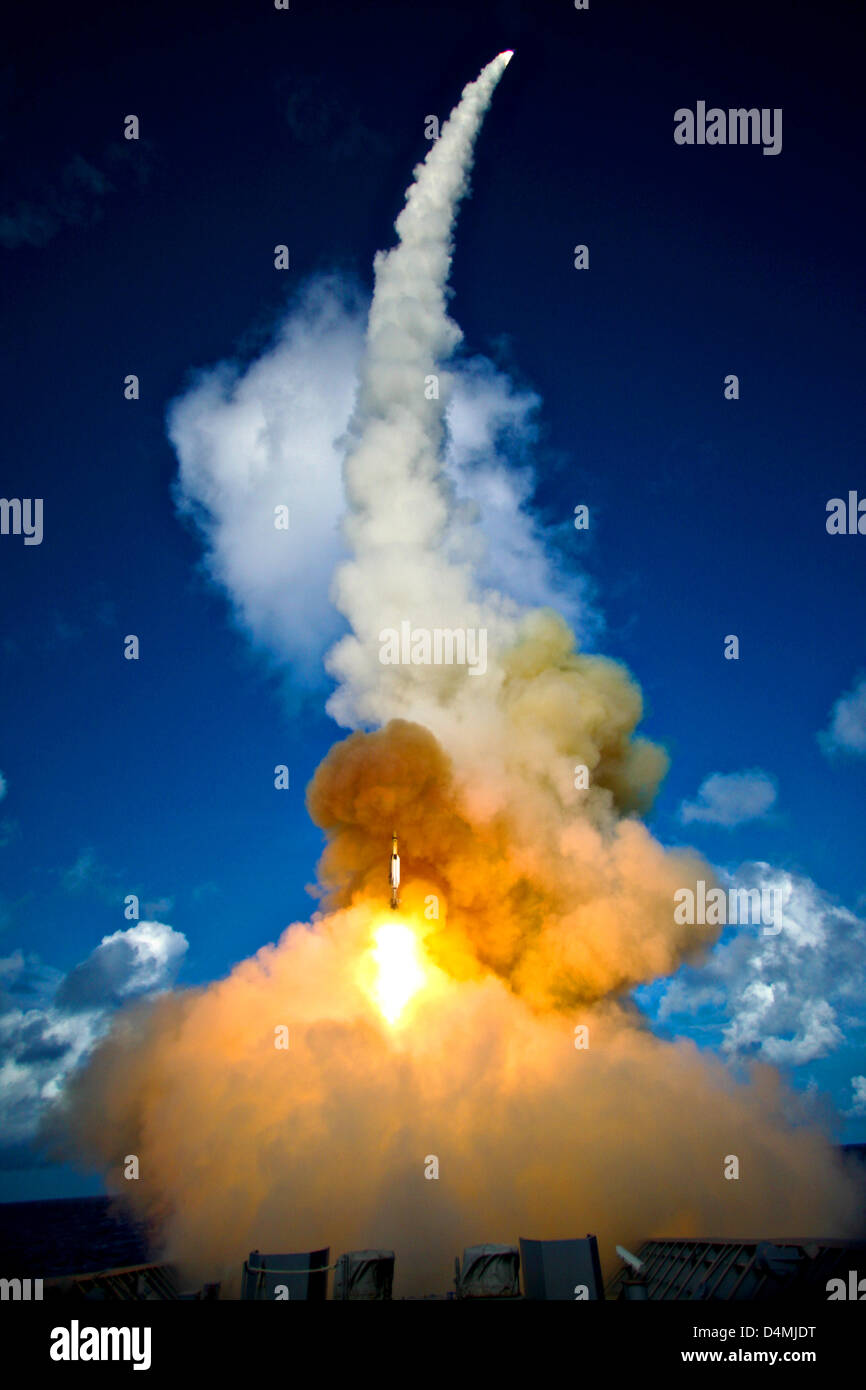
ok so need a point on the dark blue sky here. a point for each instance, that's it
(708, 516)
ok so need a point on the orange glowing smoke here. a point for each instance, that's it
(245, 1146)
(416, 1034)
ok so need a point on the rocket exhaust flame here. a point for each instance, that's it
(400, 972)
(529, 910)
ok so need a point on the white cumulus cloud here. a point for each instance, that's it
(252, 439)
(139, 960)
(50, 1022)
(858, 1088)
(788, 998)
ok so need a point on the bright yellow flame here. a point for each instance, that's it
(399, 968)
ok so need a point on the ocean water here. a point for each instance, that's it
(69, 1235)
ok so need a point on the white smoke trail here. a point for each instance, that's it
(400, 525)
(515, 733)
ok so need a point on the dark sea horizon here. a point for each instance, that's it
(69, 1235)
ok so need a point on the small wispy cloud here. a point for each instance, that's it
(847, 730)
(730, 799)
(75, 197)
(87, 874)
(158, 907)
(317, 118)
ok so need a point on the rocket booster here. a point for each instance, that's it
(394, 871)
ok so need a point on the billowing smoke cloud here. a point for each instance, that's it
(244, 1146)
(564, 899)
(300, 1101)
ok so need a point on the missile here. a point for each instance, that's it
(394, 871)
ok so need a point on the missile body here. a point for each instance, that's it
(394, 871)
